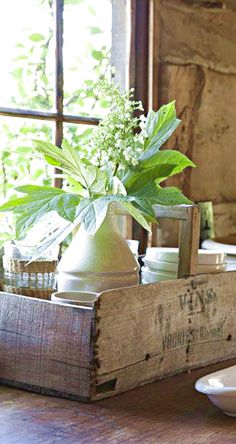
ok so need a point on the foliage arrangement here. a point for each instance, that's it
(122, 163)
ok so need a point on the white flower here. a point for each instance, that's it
(127, 156)
(143, 118)
(140, 106)
(134, 162)
(119, 143)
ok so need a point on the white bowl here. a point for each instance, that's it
(158, 265)
(220, 387)
(83, 298)
(205, 257)
(149, 276)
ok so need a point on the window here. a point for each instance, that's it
(47, 97)
(79, 33)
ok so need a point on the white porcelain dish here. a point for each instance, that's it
(86, 299)
(158, 265)
(224, 248)
(220, 387)
(205, 257)
(151, 276)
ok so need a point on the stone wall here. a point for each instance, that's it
(197, 60)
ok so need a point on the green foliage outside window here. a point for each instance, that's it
(34, 78)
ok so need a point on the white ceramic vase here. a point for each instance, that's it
(100, 262)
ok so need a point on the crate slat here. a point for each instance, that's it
(45, 346)
(146, 333)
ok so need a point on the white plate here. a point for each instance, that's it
(220, 387)
(224, 248)
(158, 265)
(209, 257)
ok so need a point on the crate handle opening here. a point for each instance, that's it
(189, 217)
(107, 386)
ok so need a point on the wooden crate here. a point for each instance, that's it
(131, 337)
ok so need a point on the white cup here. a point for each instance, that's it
(83, 298)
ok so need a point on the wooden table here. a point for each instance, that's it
(168, 411)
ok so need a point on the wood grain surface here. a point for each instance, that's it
(165, 412)
(45, 346)
(149, 332)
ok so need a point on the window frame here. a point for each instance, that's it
(139, 74)
(59, 117)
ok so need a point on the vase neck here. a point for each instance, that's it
(109, 221)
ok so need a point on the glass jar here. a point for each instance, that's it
(37, 278)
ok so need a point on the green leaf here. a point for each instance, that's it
(95, 30)
(75, 186)
(117, 186)
(36, 189)
(37, 37)
(90, 172)
(97, 55)
(68, 160)
(153, 194)
(38, 202)
(159, 127)
(163, 164)
(99, 185)
(52, 161)
(171, 196)
(92, 212)
(136, 214)
(56, 233)
(157, 173)
(167, 157)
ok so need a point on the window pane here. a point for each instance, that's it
(19, 165)
(87, 43)
(27, 55)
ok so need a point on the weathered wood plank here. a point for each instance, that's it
(148, 332)
(197, 35)
(189, 243)
(45, 345)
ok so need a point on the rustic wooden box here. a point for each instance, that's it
(131, 337)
